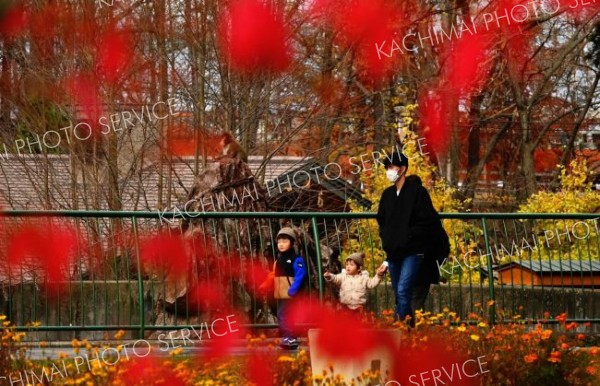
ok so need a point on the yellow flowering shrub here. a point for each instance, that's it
(12, 356)
(574, 196)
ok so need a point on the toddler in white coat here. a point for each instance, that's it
(354, 282)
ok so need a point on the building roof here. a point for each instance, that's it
(29, 182)
(554, 266)
(316, 173)
(23, 182)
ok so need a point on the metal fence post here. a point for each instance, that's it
(318, 251)
(140, 278)
(492, 307)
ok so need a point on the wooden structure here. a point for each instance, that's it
(551, 273)
(310, 187)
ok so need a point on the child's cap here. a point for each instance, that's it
(287, 231)
(357, 258)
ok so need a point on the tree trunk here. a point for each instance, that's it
(163, 79)
(528, 169)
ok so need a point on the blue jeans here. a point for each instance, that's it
(285, 328)
(404, 273)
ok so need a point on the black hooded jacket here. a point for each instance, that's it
(409, 225)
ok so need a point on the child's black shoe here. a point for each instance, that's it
(289, 343)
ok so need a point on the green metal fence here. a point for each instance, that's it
(524, 266)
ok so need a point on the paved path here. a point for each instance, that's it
(55, 349)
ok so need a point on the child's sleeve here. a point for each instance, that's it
(373, 281)
(268, 284)
(336, 279)
(299, 276)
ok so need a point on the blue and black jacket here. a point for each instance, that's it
(289, 263)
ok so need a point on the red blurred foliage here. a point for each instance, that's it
(207, 296)
(434, 108)
(45, 21)
(166, 254)
(436, 357)
(255, 273)
(365, 20)
(344, 336)
(115, 53)
(181, 140)
(467, 66)
(260, 369)
(518, 11)
(255, 38)
(519, 51)
(79, 33)
(13, 19)
(581, 10)
(225, 333)
(360, 25)
(149, 371)
(104, 51)
(466, 69)
(305, 313)
(46, 246)
(83, 90)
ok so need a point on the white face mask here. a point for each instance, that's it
(392, 175)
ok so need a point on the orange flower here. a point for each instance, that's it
(594, 350)
(554, 357)
(531, 358)
(562, 318)
(591, 370)
(580, 337)
(526, 337)
(564, 346)
(571, 326)
(546, 334)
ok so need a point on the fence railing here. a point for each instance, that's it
(512, 266)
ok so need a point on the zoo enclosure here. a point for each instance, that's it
(120, 295)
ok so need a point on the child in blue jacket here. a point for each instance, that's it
(288, 265)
